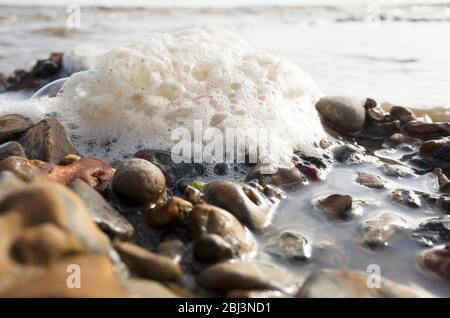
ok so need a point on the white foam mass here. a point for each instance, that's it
(136, 96)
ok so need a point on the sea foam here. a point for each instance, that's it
(136, 96)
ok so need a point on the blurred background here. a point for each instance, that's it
(396, 51)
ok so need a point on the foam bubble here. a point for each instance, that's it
(136, 96)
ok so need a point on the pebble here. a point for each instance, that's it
(9, 182)
(11, 148)
(106, 217)
(438, 261)
(43, 244)
(96, 280)
(444, 203)
(212, 248)
(146, 288)
(222, 169)
(36, 204)
(47, 141)
(223, 277)
(147, 264)
(371, 180)
(349, 154)
(139, 182)
(338, 206)
(291, 245)
(435, 230)
(399, 139)
(398, 171)
(209, 219)
(172, 248)
(442, 180)
(95, 172)
(172, 171)
(403, 114)
(283, 175)
(404, 197)
(342, 113)
(171, 211)
(331, 283)
(379, 231)
(427, 130)
(245, 202)
(25, 169)
(11, 126)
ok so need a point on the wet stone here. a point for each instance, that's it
(442, 180)
(371, 180)
(398, 171)
(224, 277)
(433, 231)
(47, 141)
(349, 154)
(291, 245)
(404, 197)
(285, 175)
(24, 168)
(70, 228)
(43, 244)
(342, 113)
(427, 130)
(147, 264)
(245, 202)
(171, 211)
(11, 126)
(192, 194)
(403, 114)
(444, 203)
(399, 139)
(11, 148)
(43, 72)
(172, 248)
(212, 248)
(222, 169)
(172, 171)
(9, 182)
(232, 239)
(139, 182)
(97, 280)
(146, 288)
(106, 217)
(438, 261)
(331, 283)
(338, 206)
(377, 232)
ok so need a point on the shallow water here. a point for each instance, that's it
(396, 53)
(397, 261)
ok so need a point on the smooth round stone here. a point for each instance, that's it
(343, 113)
(207, 219)
(245, 276)
(148, 264)
(377, 232)
(139, 182)
(438, 261)
(211, 248)
(331, 283)
(172, 211)
(246, 203)
(11, 148)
